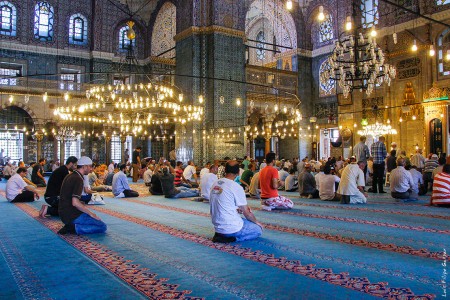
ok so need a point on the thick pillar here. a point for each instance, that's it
(39, 136)
(108, 149)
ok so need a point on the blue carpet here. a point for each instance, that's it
(159, 247)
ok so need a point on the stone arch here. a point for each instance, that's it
(25, 108)
(166, 25)
(281, 27)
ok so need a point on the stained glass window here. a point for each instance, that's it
(442, 2)
(7, 18)
(43, 21)
(327, 85)
(370, 15)
(260, 52)
(124, 41)
(326, 29)
(444, 47)
(78, 30)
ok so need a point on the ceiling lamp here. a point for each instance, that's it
(289, 4)
(321, 15)
(432, 52)
(414, 46)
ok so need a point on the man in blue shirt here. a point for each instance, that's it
(120, 187)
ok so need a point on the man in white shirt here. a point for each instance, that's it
(226, 202)
(8, 171)
(402, 183)
(148, 175)
(205, 170)
(263, 165)
(352, 183)
(282, 175)
(206, 183)
(417, 180)
(190, 174)
(327, 185)
(17, 190)
(291, 184)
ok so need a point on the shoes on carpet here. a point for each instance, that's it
(220, 238)
(70, 228)
(266, 208)
(121, 195)
(382, 192)
(310, 196)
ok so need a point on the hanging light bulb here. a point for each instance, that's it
(348, 23)
(45, 97)
(200, 99)
(373, 32)
(414, 46)
(238, 101)
(131, 35)
(289, 4)
(180, 97)
(447, 57)
(11, 99)
(321, 15)
(414, 118)
(394, 36)
(66, 96)
(432, 52)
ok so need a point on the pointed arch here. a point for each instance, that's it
(164, 31)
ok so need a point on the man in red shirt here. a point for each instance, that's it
(269, 183)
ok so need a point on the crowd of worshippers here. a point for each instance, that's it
(227, 184)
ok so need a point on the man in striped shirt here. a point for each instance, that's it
(379, 153)
(441, 187)
(401, 183)
(430, 165)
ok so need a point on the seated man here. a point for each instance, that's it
(53, 189)
(282, 175)
(206, 183)
(268, 180)
(96, 183)
(417, 177)
(190, 174)
(75, 215)
(168, 186)
(351, 187)
(17, 190)
(37, 176)
(148, 175)
(205, 170)
(253, 189)
(307, 183)
(401, 182)
(227, 201)
(7, 171)
(291, 183)
(327, 185)
(110, 176)
(246, 176)
(441, 187)
(120, 187)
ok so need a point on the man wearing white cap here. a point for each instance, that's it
(75, 215)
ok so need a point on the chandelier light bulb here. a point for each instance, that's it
(66, 96)
(414, 46)
(432, 52)
(200, 99)
(321, 15)
(238, 101)
(394, 36)
(348, 23)
(45, 97)
(373, 32)
(289, 4)
(447, 57)
(11, 99)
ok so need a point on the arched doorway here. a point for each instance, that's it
(436, 136)
(16, 126)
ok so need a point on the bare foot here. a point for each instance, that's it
(43, 211)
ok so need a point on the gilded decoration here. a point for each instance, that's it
(436, 92)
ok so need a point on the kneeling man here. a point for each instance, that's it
(401, 183)
(75, 215)
(227, 200)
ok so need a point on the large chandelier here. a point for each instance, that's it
(357, 61)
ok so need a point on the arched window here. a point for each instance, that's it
(7, 18)
(124, 41)
(444, 53)
(43, 21)
(78, 30)
(369, 10)
(326, 29)
(327, 85)
(260, 52)
(442, 2)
